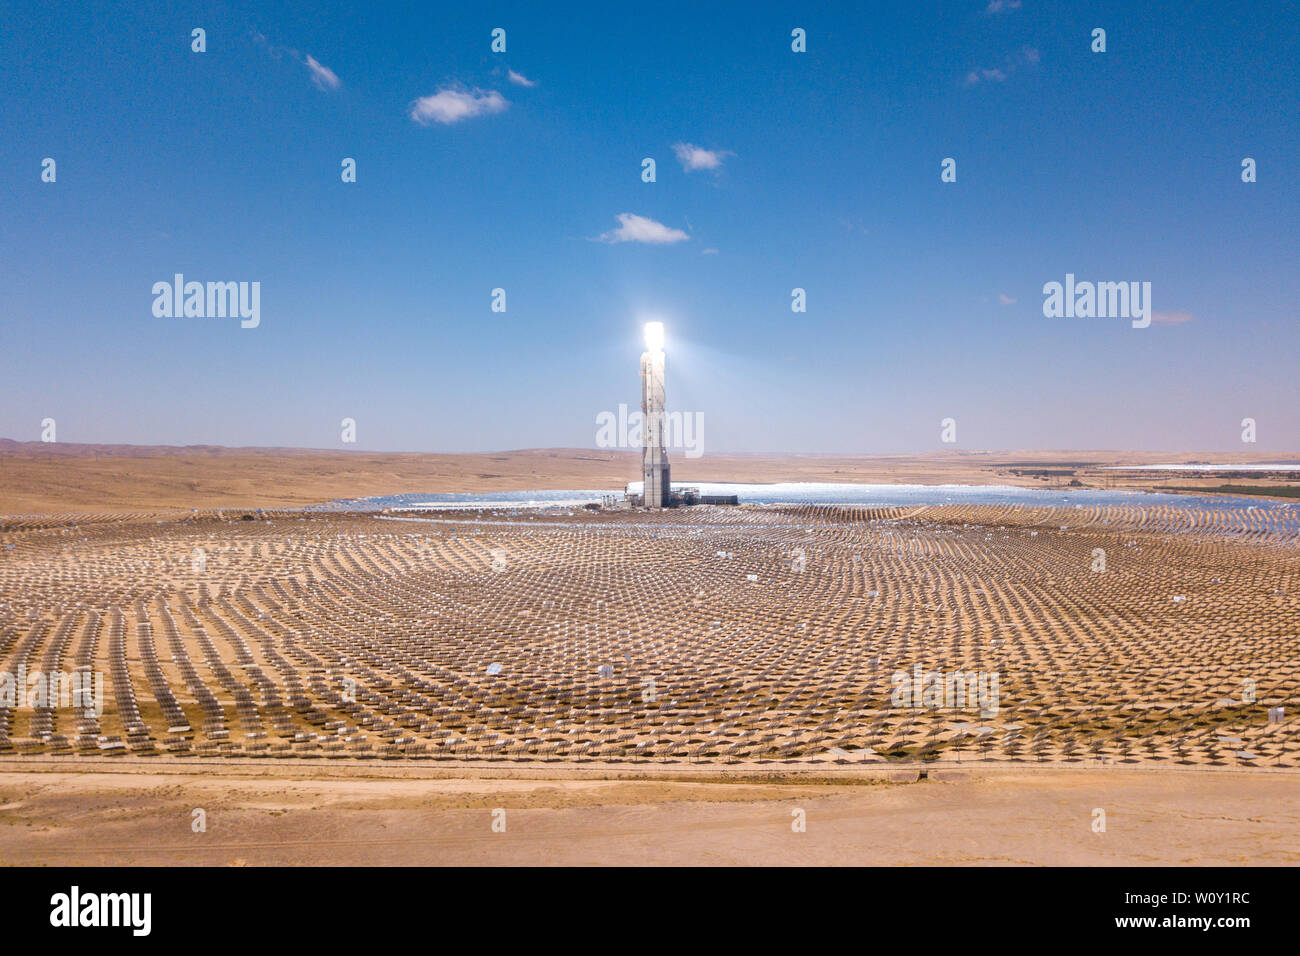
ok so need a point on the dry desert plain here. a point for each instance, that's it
(39, 477)
(628, 687)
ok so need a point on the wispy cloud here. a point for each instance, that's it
(1001, 6)
(709, 252)
(518, 79)
(634, 228)
(1006, 299)
(1171, 318)
(998, 74)
(451, 104)
(697, 157)
(321, 75)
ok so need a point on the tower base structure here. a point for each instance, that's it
(656, 487)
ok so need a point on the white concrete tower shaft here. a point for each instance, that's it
(654, 456)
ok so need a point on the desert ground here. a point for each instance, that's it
(345, 688)
(412, 814)
(39, 477)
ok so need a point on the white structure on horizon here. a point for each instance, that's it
(656, 487)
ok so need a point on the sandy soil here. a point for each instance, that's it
(38, 477)
(326, 816)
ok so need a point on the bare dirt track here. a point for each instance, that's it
(299, 816)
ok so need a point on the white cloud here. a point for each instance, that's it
(1026, 57)
(519, 79)
(992, 76)
(1171, 318)
(322, 75)
(633, 228)
(1006, 299)
(709, 252)
(696, 157)
(451, 104)
(1001, 6)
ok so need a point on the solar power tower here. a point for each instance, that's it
(656, 488)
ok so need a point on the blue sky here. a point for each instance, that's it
(376, 295)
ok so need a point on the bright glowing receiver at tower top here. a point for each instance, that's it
(654, 336)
